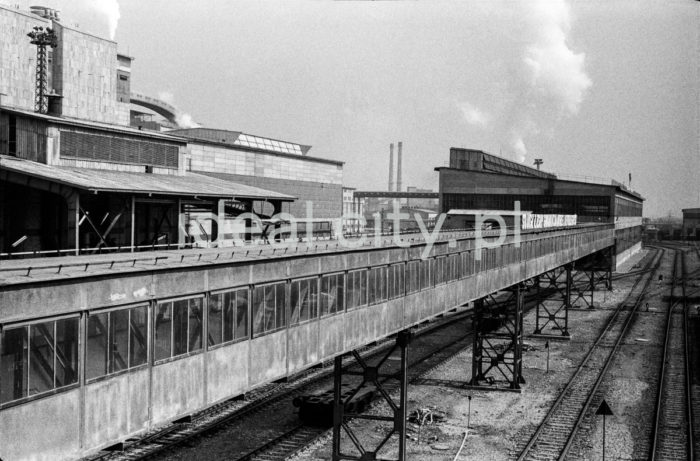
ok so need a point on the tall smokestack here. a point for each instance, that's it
(398, 169)
(391, 167)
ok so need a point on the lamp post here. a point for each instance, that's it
(42, 38)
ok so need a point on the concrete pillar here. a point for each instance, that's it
(73, 225)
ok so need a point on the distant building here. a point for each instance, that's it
(351, 208)
(271, 164)
(691, 223)
(477, 180)
(425, 203)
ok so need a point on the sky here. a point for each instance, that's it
(597, 89)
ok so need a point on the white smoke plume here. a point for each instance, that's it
(554, 69)
(555, 81)
(475, 116)
(182, 119)
(110, 10)
(544, 79)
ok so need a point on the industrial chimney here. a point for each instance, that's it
(391, 167)
(398, 169)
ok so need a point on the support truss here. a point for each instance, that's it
(371, 376)
(498, 340)
(553, 311)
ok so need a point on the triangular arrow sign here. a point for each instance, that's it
(604, 409)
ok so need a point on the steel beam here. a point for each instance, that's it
(371, 375)
(498, 340)
(551, 310)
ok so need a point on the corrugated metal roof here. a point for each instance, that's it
(190, 184)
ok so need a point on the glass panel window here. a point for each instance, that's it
(372, 286)
(14, 364)
(178, 328)
(332, 300)
(163, 331)
(138, 336)
(38, 358)
(116, 340)
(215, 334)
(119, 334)
(97, 340)
(413, 277)
(195, 325)
(41, 360)
(268, 308)
(241, 314)
(280, 305)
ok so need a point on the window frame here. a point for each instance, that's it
(248, 326)
(156, 361)
(110, 310)
(27, 324)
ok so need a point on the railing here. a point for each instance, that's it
(222, 254)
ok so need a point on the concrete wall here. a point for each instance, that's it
(222, 159)
(624, 255)
(17, 57)
(83, 69)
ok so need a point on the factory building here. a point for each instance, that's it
(92, 175)
(82, 71)
(280, 166)
(69, 186)
(691, 223)
(476, 180)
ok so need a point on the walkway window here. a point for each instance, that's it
(332, 294)
(116, 341)
(413, 278)
(425, 274)
(357, 288)
(38, 358)
(395, 283)
(376, 285)
(304, 302)
(178, 328)
(268, 308)
(228, 316)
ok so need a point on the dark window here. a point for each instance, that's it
(178, 328)
(425, 274)
(38, 358)
(304, 302)
(228, 316)
(413, 279)
(357, 288)
(116, 341)
(332, 294)
(268, 308)
(376, 284)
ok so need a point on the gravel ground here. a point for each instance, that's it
(501, 422)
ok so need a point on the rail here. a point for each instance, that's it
(578, 376)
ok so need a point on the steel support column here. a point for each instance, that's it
(554, 312)
(371, 376)
(498, 340)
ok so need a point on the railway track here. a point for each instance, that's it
(672, 432)
(554, 436)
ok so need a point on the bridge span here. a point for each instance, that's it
(97, 349)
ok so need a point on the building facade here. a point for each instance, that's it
(691, 223)
(478, 180)
(272, 164)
